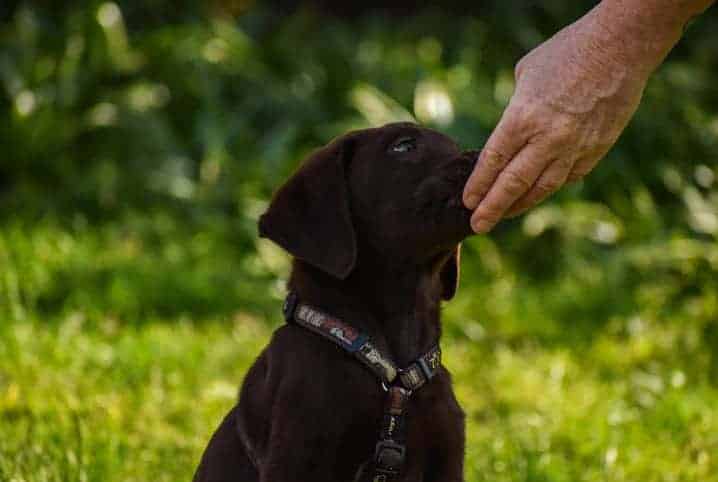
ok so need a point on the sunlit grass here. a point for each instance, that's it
(97, 388)
(116, 403)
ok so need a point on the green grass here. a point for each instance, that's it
(134, 294)
(121, 348)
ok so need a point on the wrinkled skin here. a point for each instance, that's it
(374, 221)
(574, 95)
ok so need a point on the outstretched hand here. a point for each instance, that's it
(574, 95)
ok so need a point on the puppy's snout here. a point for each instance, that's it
(472, 156)
(466, 161)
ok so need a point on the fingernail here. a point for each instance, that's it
(481, 226)
(471, 201)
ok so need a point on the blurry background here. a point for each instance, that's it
(139, 142)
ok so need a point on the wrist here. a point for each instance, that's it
(642, 32)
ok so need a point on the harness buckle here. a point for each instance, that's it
(427, 371)
(290, 306)
(389, 458)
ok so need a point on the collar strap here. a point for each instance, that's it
(361, 347)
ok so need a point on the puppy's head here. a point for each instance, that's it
(395, 188)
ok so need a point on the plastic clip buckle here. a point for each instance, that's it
(290, 306)
(426, 371)
(389, 458)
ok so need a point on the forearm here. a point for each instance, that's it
(655, 16)
(642, 32)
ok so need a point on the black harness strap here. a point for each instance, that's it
(390, 453)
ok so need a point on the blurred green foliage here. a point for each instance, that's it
(141, 140)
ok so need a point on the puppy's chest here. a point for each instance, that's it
(433, 427)
(332, 411)
(432, 408)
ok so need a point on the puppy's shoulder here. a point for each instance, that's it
(305, 358)
(297, 346)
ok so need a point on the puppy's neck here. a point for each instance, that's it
(395, 303)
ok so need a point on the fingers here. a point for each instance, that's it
(583, 166)
(507, 139)
(560, 172)
(511, 184)
(553, 178)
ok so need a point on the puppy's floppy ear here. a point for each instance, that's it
(449, 275)
(310, 217)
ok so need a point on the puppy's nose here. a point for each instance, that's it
(472, 155)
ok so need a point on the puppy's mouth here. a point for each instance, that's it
(457, 177)
(443, 193)
(457, 202)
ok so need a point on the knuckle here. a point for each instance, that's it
(563, 133)
(493, 159)
(547, 186)
(490, 215)
(545, 150)
(562, 126)
(514, 183)
(525, 117)
(564, 163)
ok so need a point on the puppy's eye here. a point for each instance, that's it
(405, 144)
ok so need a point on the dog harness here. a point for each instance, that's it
(390, 451)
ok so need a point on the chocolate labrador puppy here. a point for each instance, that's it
(374, 221)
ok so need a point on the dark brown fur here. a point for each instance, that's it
(375, 234)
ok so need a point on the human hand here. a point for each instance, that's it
(574, 95)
